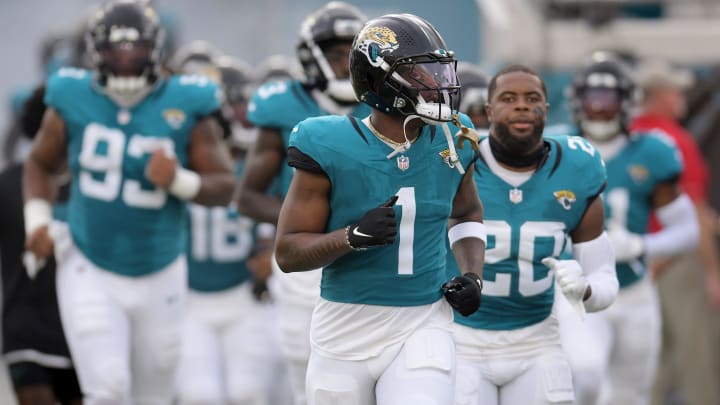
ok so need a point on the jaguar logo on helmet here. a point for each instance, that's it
(376, 39)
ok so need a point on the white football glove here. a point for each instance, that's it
(627, 245)
(572, 281)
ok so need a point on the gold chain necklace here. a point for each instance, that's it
(383, 137)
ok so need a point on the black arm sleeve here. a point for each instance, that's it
(301, 161)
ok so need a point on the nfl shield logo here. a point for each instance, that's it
(516, 196)
(403, 162)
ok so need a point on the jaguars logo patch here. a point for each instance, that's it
(639, 173)
(174, 117)
(566, 198)
(445, 156)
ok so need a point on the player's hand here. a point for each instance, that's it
(573, 284)
(627, 245)
(376, 228)
(463, 293)
(260, 267)
(161, 168)
(40, 243)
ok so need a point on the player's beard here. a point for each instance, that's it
(515, 146)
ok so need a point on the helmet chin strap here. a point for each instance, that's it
(454, 160)
(433, 113)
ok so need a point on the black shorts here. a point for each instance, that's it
(63, 381)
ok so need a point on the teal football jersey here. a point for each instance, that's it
(354, 159)
(524, 225)
(633, 174)
(282, 105)
(220, 243)
(118, 219)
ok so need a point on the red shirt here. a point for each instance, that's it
(695, 177)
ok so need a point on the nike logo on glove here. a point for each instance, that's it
(358, 233)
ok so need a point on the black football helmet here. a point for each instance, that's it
(277, 68)
(602, 96)
(197, 57)
(238, 83)
(400, 64)
(334, 22)
(237, 79)
(474, 92)
(124, 38)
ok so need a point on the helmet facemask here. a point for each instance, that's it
(600, 114)
(424, 87)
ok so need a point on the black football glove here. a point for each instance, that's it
(376, 228)
(463, 293)
(260, 290)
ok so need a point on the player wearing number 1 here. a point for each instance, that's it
(509, 351)
(137, 146)
(370, 202)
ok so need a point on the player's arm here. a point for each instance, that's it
(594, 279)
(210, 180)
(467, 236)
(262, 166)
(465, 228)
(301, 243)
(45, 161)
(676, 213)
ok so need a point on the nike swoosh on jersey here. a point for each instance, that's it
(358, 233)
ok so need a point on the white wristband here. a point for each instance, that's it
(37, 213)
(470, 229)
(186, 184)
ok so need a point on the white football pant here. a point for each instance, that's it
(123, 332)
(231, 353)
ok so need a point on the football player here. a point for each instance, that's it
(278, 68)
(643, 172)
(138, 145)
(473, 86)
(229, 337)
(33, 343)
(276, 107)
(371, 202)
(509, 351)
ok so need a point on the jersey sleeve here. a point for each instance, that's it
(588, 164)
(266, 104)
(59, 89)
(203, 94)
(304, 138)
(664, 160)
